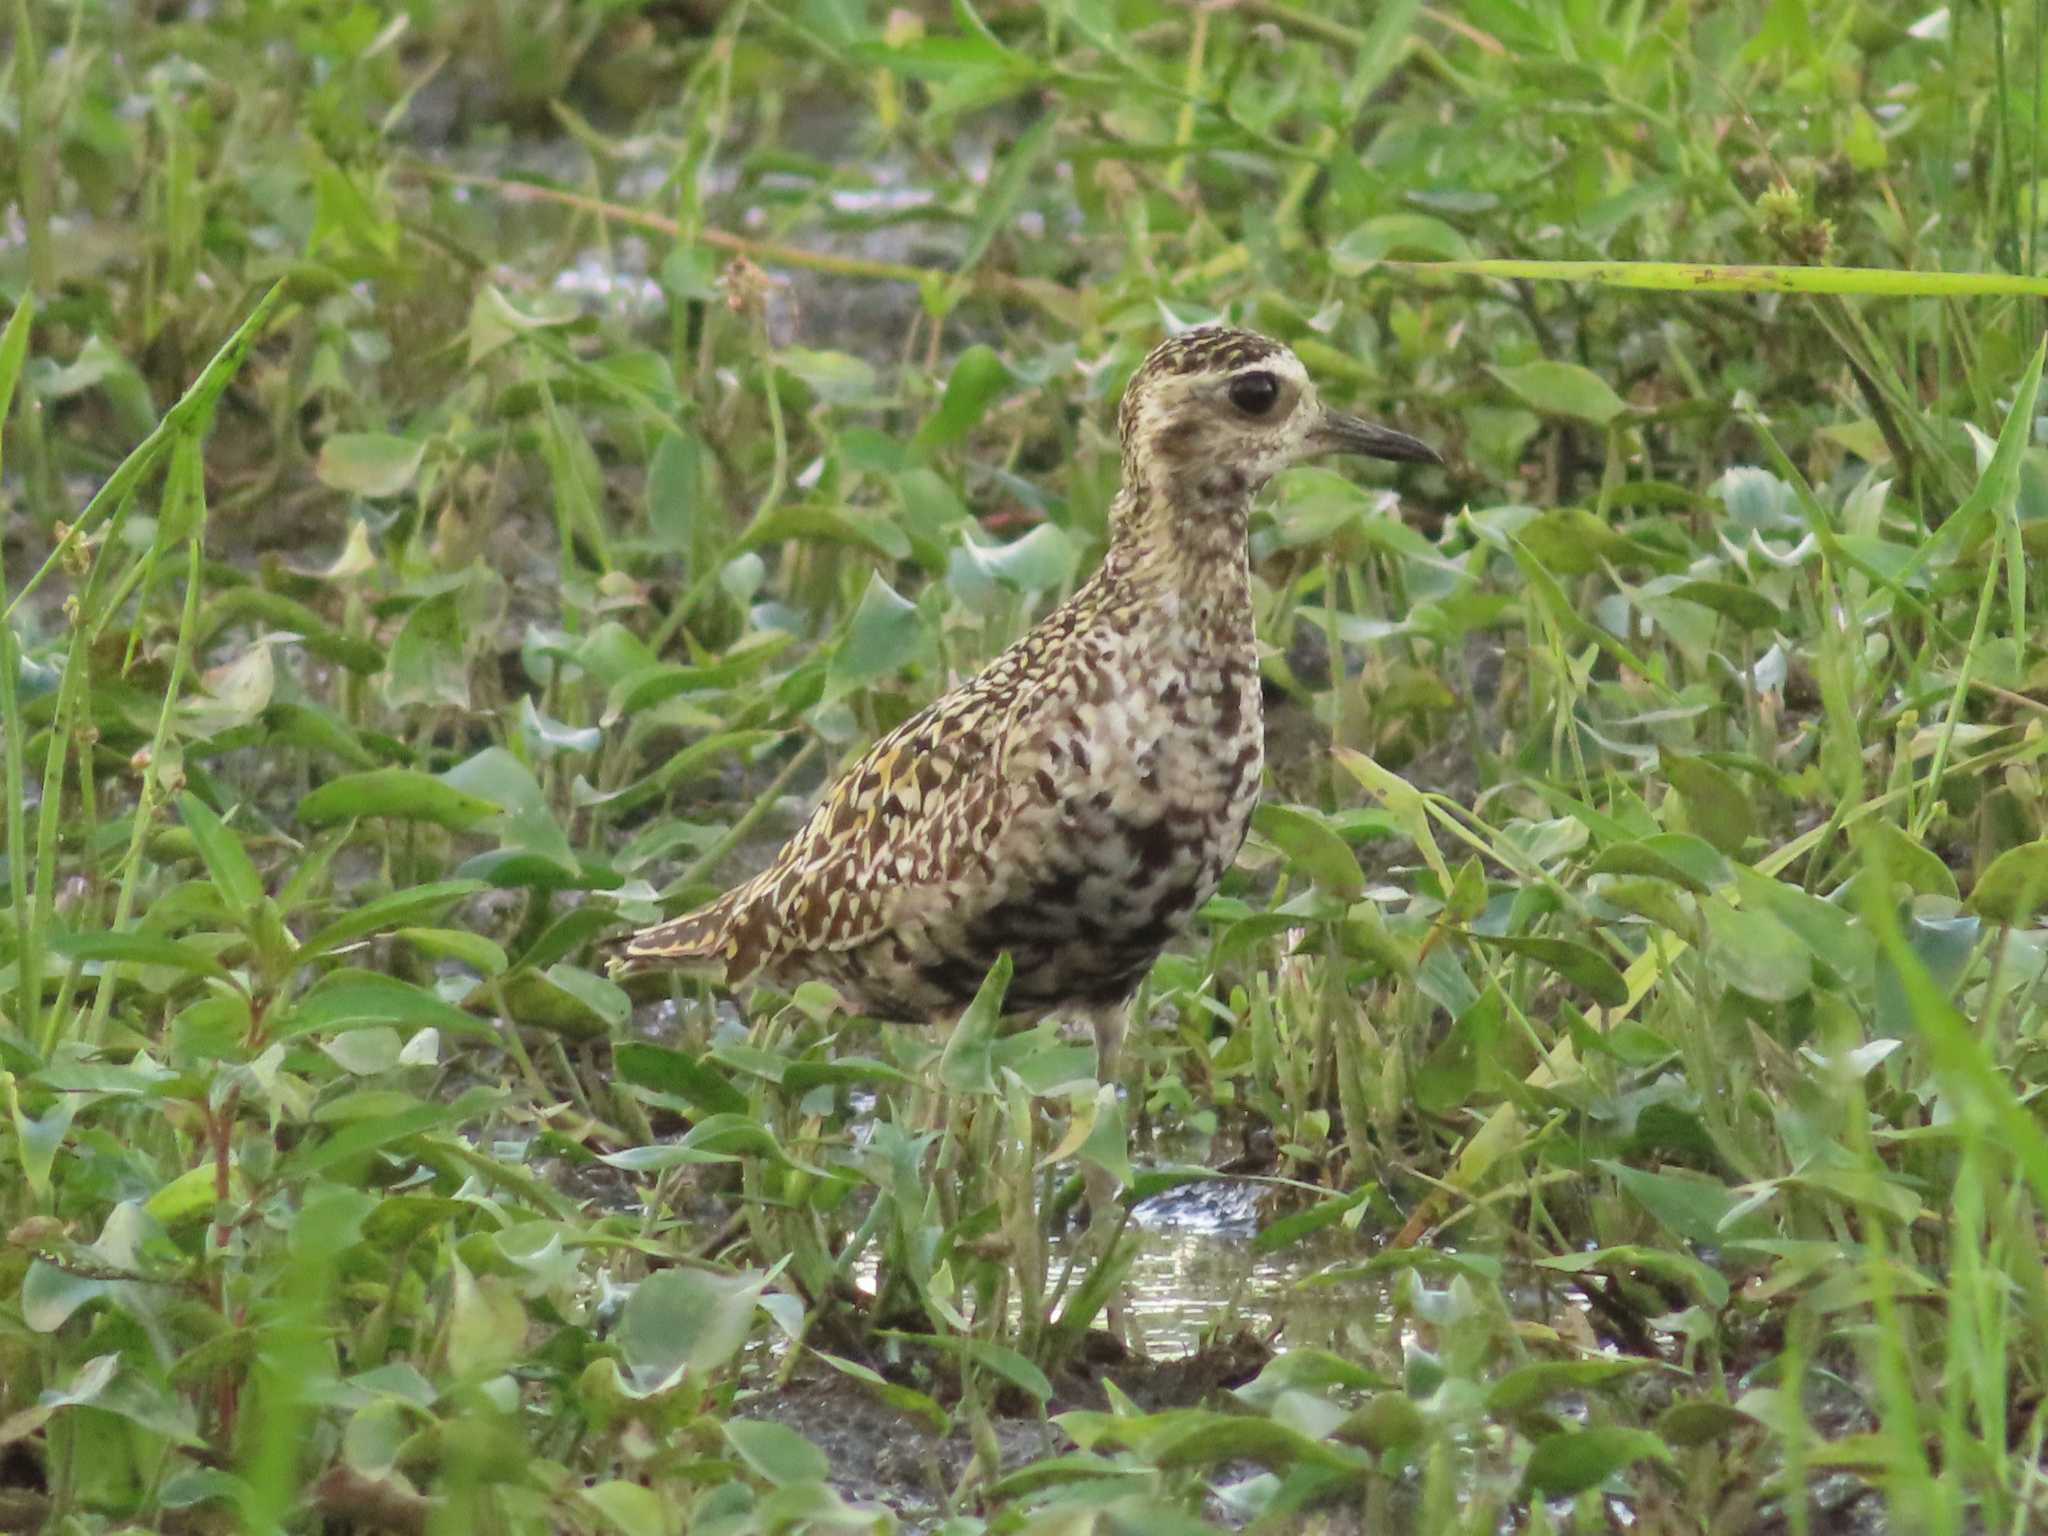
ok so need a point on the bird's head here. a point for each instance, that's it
(1222, 411)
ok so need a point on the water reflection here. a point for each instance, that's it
(1189, 1285)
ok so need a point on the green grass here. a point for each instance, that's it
(1636, 969)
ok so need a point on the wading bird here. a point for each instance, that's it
(1076, 801)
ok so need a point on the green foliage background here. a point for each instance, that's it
(471, 469)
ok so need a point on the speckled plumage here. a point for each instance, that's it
(1076, 801)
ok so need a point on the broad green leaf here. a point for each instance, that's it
(404, 793)
(1526, 1386)
(1042, 560)
(1991, 503)
(312, 729)
(1446, 1078)
(1758, 501)
(948, 60)
(38, 1140)
(677, 1076)
(886, 634)
(1198, 1438)
(1672, 1264)
(684, 1321)
(1312, 847)
(1305, 1370)
(997, 1359)
(365, 1052)
(777, 1452)
(696, 760)
(1106, 1144)
(567, 934)
(675, 487)
(629, 1508)
(800, 1077)
(655, 682)
(741, 1134)
(399, 909)
(233, 874)
(1692, 1205)
(122, 1388)
(977, 380)
(495, 319)
(1287, 1230)
(358, 1138)
(233, 695)
(966, 1066)
(545, 737)
(1563, 389)
(2015, 885)
(1413, 235)
(638, 377)
(1570, 541)
(659, 1159)
(1407, 804)
(194, 1193)
(350, 219)
(1744, 606)
(1683, 1425)
(1384, 1422)
(1575, 962)
(273, 611)
(1905, 859)
(905, 1400)
(484, 956)
(1756, 954)
(350, 999)
(1570, 1463)
(1717, 808)
(829, 525)
(1691, 862)
(487, 1324)
(1827, 930)
(219, 1027)
(50, 1295)
(365, 1104)
(564, 999)
(371, 464)
(430, 657)
(138, 949)
(838, 378)
(1467, 897)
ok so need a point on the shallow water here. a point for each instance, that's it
(1197, 1278)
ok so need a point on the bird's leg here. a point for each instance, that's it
(1099, 1184)
(1106, 1215)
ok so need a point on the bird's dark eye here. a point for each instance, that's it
(1254, 393)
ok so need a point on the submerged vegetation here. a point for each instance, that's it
(472, 469)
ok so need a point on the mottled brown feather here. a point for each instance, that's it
(1076, 801)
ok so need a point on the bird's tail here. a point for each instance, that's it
(701, 941)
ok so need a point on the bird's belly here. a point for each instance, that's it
(1149, 807)
(1125, 812)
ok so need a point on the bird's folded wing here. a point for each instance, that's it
(921, 812)
(916, 821)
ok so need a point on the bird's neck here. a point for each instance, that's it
(1181, 536)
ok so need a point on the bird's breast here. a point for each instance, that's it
(1143, 782)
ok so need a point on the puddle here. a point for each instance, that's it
(1191, 1285)
(1195, 1282)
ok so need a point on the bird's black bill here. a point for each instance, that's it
(1339, 433)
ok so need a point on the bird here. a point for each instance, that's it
(1077, 801)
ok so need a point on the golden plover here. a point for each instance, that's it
(1076, 801)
